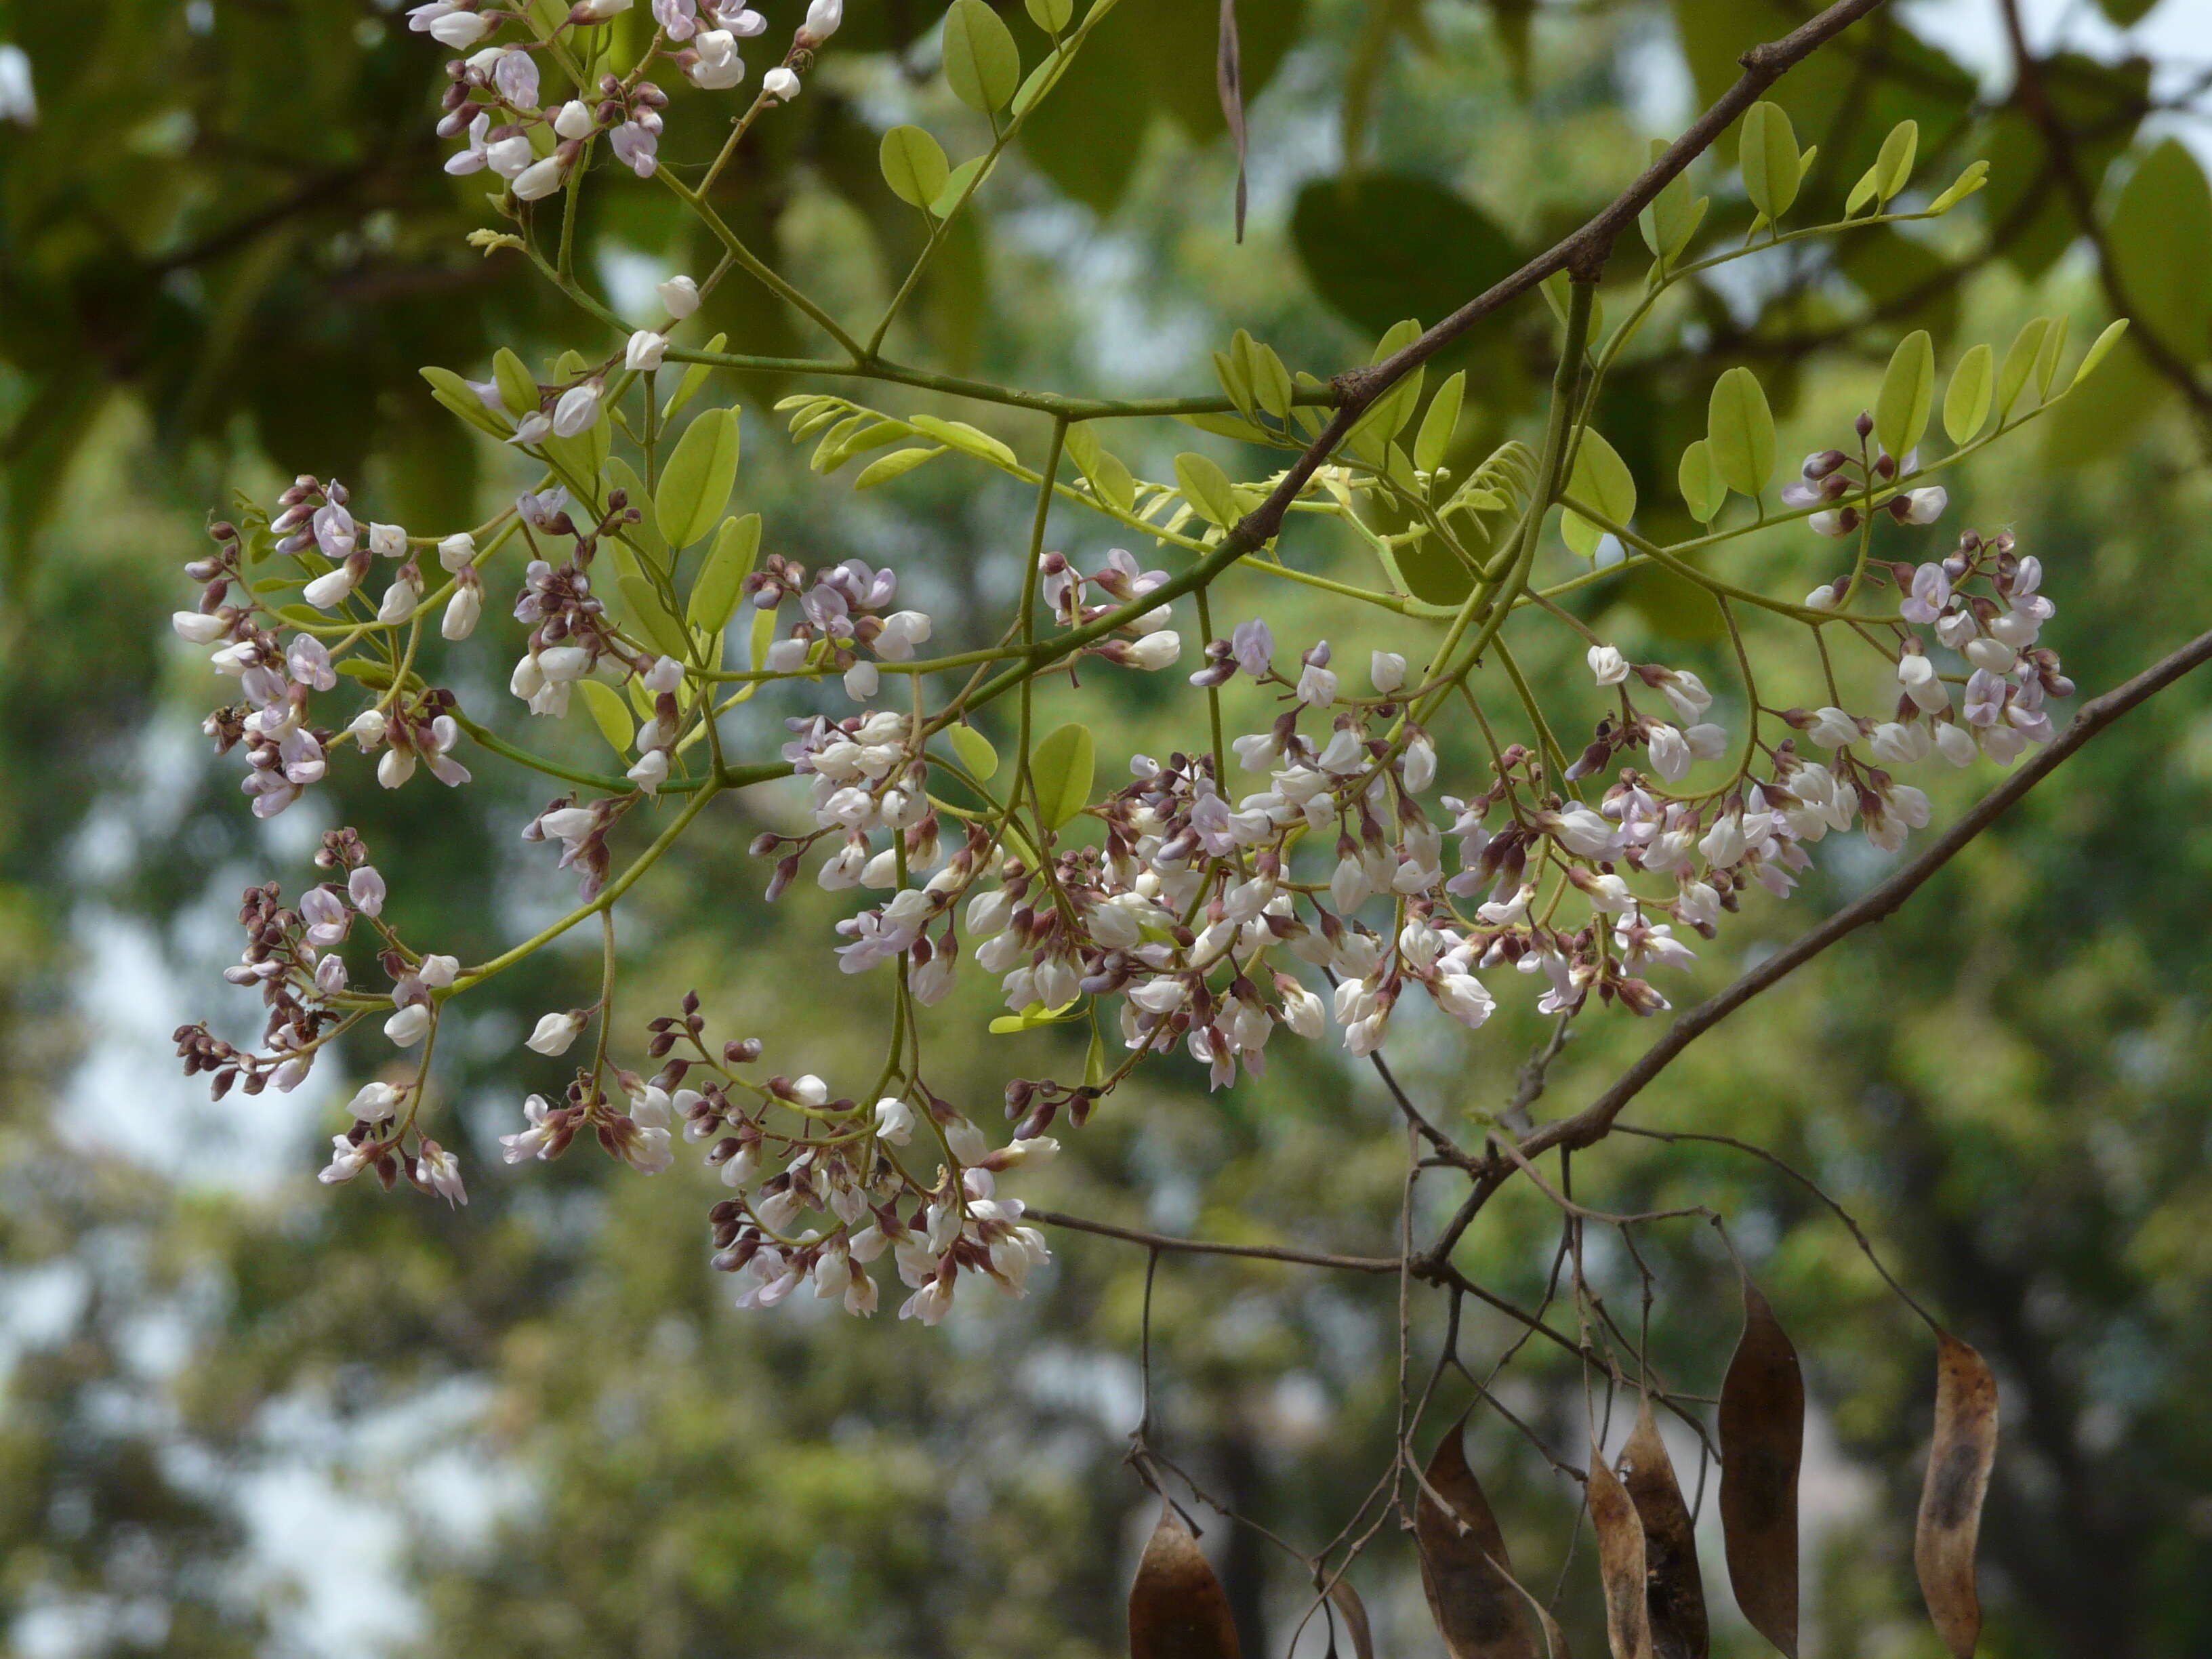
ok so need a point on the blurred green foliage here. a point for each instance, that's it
(224, 254)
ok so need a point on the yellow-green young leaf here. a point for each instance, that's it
(1908, 393)
(454, 393)
(721, 580)
(696, 485)
(662, 630)
(1051, 16)
(1110, 476)
(1061, 769)
(1030, 1018)
(1664, 217)
(1081, 446)
(956, 185)
(1557, 289)
(871, 433)
(1206, 488)
(896, 464)
(963, 436)
(1095, 1068)
(1270, 382)
(1893, 166)
(913, 165)
(1966, 400)
(1768, 153)
(1235, 378)
(609, 715)
(983, 65)
(1977, 175)
(1439, 423)
(2046, 360)
(1869, 186)
(2099, 348)
(2020, 363)
(1739, 427)
(1600, 481)
(1704, 490)
(694, 378)
(517, 386)
(975, 752)
(762, 636)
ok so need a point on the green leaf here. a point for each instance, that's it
(1671, 218)
(1908, 393)
(1094, 1060)
(956, 185)
(1600, 481)
(966, 438)
(1206, 488)
(1440, 422)
(609, 714)
(2046, 360)
(1739, 427)
(761, 636)
(975, 752)
(1704, 490)
(983, 64)
(1966, 400)
(896, 464)
(2020, 363)
(696, 485)
(695, 376)
(1030, 1018)
(721, 581)
(1974, 176)
(913, 165)
(1270, 382)
(517, 386)
(1767, 151)
(660, 629)
(1893, 166)
(453, 392)
(2099, 349)
(1051, 16)
(1059, 770)
(1226, 425)
(2161, 238)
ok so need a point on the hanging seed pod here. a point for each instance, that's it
(1620, 1561)
(1351, 1619)
(1176, 1606)
(1675, 1589)
(1951, 1502)
(1471, 1596)
(1762, 1419)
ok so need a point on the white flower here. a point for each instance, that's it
(781, 83)
(555, 1033)
(862, 681)
(1420, 764)
(574, 120)
(894, 1121)
(1607, 665)
(1386, 671)
(439, 972)
(331, 587)
(1707, 740)
(400, 598)
(196, 628)
(718, 67)
(387, 541)
(645, 350)
(346, 1162)
(650, 772)
(440, 1172)
(1926, 506)
(375, 1103)
(1917, 675)
(1671, 756)
(365, 889)
(537, 181)
(681, 295)
(462, 611)
(19, 97)
(597, 11)
(1316, 683)
(1687, 695)
(1956, 744)
(457, 552)
(965, 1142)
(822, 18)
(1155, 651)
(409, 1025)
(1832, 728)
(1464, 998)
(578, 411)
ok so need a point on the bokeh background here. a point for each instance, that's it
(244, 1414)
